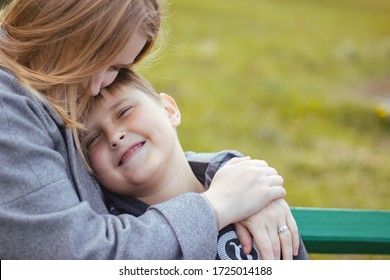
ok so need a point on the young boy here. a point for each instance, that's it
(132, 146)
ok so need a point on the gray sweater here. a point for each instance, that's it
(51, 208)
(229, 247)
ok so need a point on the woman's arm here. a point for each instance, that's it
(45, 215)
(241, 188)
(264, 224)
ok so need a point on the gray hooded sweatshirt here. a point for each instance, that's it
(51, 208)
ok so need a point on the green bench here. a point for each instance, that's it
(344, 231)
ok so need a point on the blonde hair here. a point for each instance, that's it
(52, 46)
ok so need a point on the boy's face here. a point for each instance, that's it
(130, 137)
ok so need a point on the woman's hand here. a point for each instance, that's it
(243, 187)
(264, 227)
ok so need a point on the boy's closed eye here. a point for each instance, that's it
(91, 140)
(124, 111)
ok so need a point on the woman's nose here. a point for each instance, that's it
(116, 139)
(102, 80)
(96, 83)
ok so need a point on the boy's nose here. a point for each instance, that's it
(116, 139)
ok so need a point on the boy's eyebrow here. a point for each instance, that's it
(117, 103)
(94, 127)
(111, 108)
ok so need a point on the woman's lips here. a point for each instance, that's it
(130, 152)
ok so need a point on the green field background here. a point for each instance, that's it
(302, 84)
(294, 82)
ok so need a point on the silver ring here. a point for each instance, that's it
(283, 229)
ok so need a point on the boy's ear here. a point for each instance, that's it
(171, 109)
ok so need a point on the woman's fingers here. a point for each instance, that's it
(274, 230)
(293, 228)
(274, 193)
(256, 162)
(276, 243)
(244, 237)
(243, 182)
(264, 243)
(286, 244)
(274, 180)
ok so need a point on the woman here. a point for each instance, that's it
(54, 55)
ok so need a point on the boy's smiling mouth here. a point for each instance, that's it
(130, 152)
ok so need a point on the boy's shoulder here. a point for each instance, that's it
(205, 165)
(195, 158)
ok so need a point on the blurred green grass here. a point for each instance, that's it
(294, 82)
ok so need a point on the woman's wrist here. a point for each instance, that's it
(215, 211)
